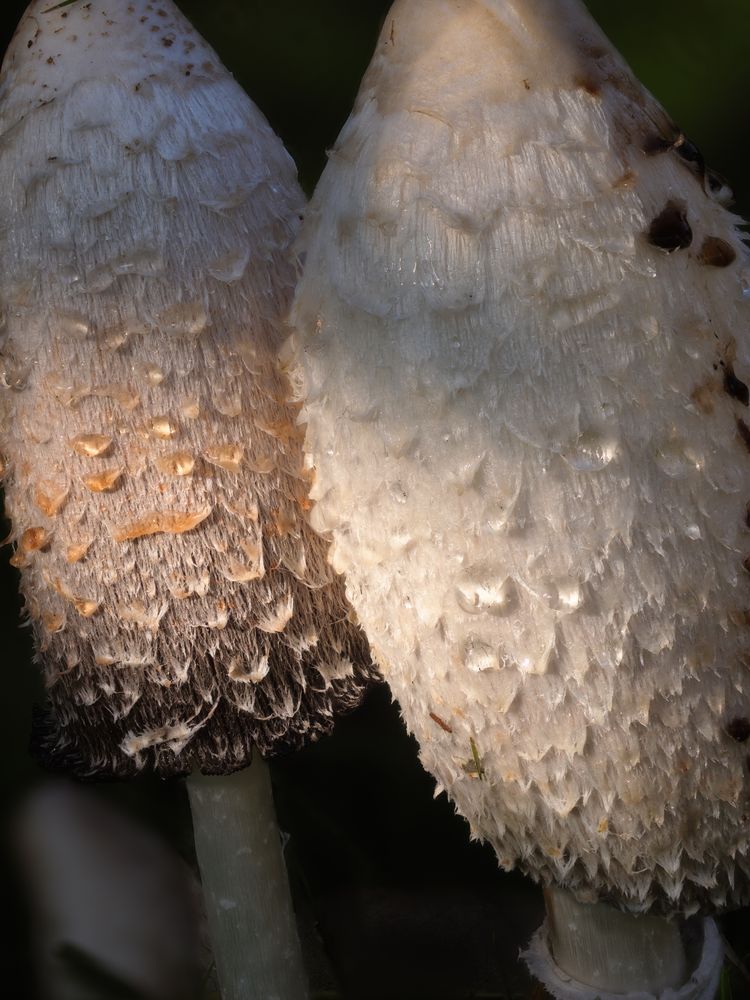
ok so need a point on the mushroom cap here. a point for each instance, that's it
(182, 606)
(522, 339)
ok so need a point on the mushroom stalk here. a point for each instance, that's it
(618, 951)
(246, 891)
(592, 950)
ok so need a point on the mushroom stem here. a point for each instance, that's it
(246, 890)
(593, 946)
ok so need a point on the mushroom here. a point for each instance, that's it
(522, 342)
(182, 606)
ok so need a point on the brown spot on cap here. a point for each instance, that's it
(671, 230)
(588, 84)
(739, 729)
(717, 252)
(735, 387)
(627, 180)
(702, 397)
(655, 144)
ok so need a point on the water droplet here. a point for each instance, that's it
(72, 324)
(75, 553)
(53, 622)
(231, 266)
(154, 375)
(591, 453)
(191, 408)
(34, 539)
(50, 496)
(144, 262)
(484, 588)
(226, 456)
(530, 648)
(103, 482)
(91, 445)
(227, 404)
(85, 607)
(693, 531)
(676, 459)
(163, 428)
(98, 280)
(398, 492)
(560, 594)
(69, 276)
(478, 656)
(13, 374)
(121, 394)
(186, 319)
(161, 522)
(179, 463)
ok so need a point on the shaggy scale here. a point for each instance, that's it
(181, 603)
(522, 342)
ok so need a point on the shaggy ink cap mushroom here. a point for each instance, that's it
(181, 604)
(522, 335)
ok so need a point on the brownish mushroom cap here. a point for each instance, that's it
(182, 606)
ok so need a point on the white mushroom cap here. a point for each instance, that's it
(523, 334)
(182, 606)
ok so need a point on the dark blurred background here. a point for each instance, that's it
(394, 900)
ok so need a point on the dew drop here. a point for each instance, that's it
(154, 375)
(225, 456)
(563, 593)
(591, 453)
(143, 262)
(676, 460)
(163, 428)
(91, 445)
(75, 553)
(230, 267)
(161, 522)
(34, 539)
(50, 496)
(227, 404)
(398, 492)
(485, 589)
(121, 394)
(74, 325)
(53, 622)
(85, 607)
(98, 280)
(179, 463)
(13, 374)
(186, 319)
(191, 408)
(478, 656)
(103, 482)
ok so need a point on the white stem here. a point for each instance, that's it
(248, 903)
(591, 950)
(606, 948)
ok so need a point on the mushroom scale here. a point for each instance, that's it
(522, 343)
(182, 606)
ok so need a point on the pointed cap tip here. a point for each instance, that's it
(56, 46)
